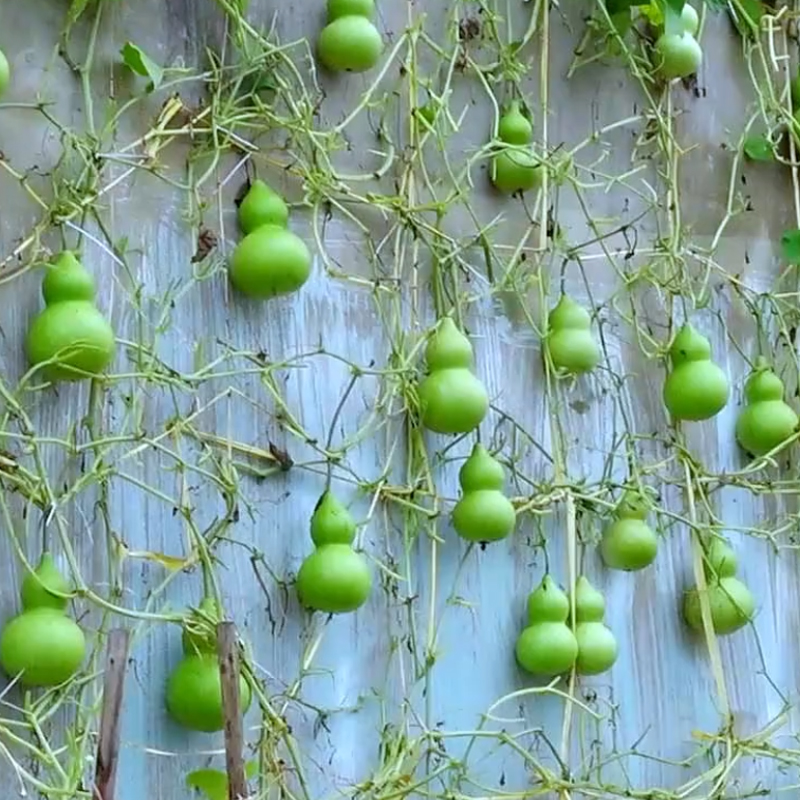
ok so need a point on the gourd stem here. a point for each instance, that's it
(334, 419)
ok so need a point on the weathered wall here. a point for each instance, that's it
(202, 375)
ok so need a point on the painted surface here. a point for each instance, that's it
(207, 387)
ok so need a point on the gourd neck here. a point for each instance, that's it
(67, 280)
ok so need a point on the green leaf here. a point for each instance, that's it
(139, 62)
(758, 148)
(673, 23)
(76, 8)
(790, 246)
(747, 15)
(213, 783)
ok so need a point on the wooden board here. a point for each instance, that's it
(210, 392)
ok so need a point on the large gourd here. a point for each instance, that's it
(484, 513)
(452, 399)
(42, 645)
(350, 42)
(270, 260)
(696, 388)
(731, 603)
(547, 646)
(334, 578)
(194, 687)
(628, 542)
(70, 338)
(569, 341)
(514, 168)
(597, 646)
(767, 420)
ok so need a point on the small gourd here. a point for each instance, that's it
(42, 645)
(696, 388)
(194, 689)
(628, 542)
(70, 337)
(334, 578)
(262, 205)
(597, 646)
(569, 340)
(514, 168)
(350, 42)
(452, 399)
(547, 646)
(484, 513)
(731, 603)
(767, 420)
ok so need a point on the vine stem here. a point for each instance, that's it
(702, 590)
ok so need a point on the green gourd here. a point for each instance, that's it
(569, 341)
(193, 693)
(70, 337)
(628, 542)
(484, 513)
(547, 646)
(696, 388)
(731, 603)
(514, 168)
(42, 645)
(597, 647)
(350, 42)
(262, 205)
(452, 399)
(334, 578)
(767, 420)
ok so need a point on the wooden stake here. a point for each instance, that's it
(228, 643)
(105, 774)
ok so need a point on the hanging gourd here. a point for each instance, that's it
(597, 647)
(696, 388)
(270, 260)
(628, 542)
(484, 513)
(451, 398)
(767, 420)
(731, 603)
(350, 42)
(569, 341)
(514, 168)
(42, 646)
(262, 205)
(70, 338)
(194, 688)
(547, 646)
(334, 578)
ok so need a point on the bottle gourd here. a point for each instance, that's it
(569, 341)
(194, 689)
(484, 513)
(42, 645)
(70, 338)
(547, 646)
(514, 168)
(452, 399)
(696, 388)
(628, 542)
(270, 260)
(597, 646)
(730, 601)
(334, 578)
(767, 420)
(350, 42)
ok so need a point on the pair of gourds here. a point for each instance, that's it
(548, 646)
